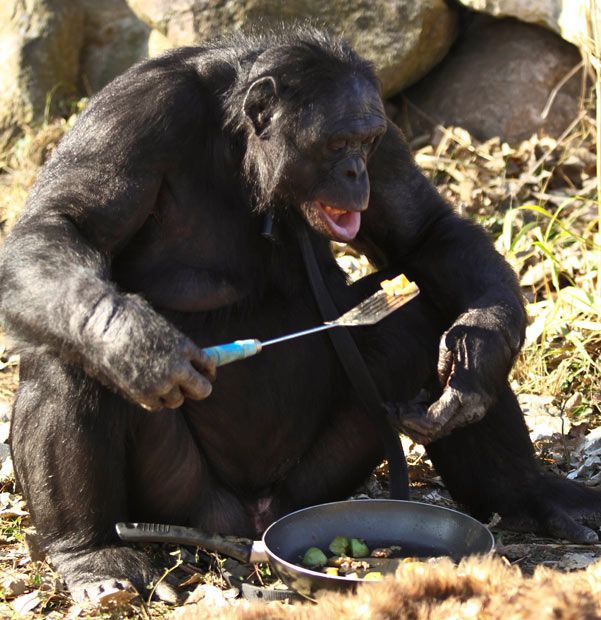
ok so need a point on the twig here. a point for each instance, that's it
(166, 572)
(553, 94)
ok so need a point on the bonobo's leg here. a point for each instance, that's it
(71, 444)
(400, 353)
(342, 456)
(490, 467)
(171, 482)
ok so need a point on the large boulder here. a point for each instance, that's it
(404, 38)
(39, 56)
(499, 80)
(114, 40)
(571, 19)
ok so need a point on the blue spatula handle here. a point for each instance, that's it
(225, 353)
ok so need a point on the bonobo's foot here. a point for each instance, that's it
(110, 592)
(112, 576)
(562, 509)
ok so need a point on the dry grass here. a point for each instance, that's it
(538, 200)
(19, 164)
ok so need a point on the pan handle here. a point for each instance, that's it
(241, 549)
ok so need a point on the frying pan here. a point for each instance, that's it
(421, 530)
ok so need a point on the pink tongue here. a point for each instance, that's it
(345, 227)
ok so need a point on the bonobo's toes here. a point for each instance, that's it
(112, 575)
(105, 593)
(119, 593)
(166, 593)
(561, 525)
(562, 509)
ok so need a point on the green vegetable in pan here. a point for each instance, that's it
(314, 557)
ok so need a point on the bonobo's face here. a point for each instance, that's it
(317, 161)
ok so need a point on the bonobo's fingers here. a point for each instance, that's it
(150, 403)
(409, 417)
(425, 424)
(445, 362)
(468, 390)
(417, 428)
(202, 362)
(194, 385)
(457, 408)
(173, 398)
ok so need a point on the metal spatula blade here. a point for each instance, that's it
(373, 309)
(368, 312)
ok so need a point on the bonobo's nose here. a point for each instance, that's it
(351, 191)
(354, 168)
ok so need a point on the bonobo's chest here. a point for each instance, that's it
(200, 249)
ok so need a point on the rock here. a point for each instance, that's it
(497, 81)
(568, 18)
(404, 39)
(115, 39)
(576, 561)
(39, 55)
(158, 43)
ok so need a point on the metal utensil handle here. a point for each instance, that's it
(237, 548)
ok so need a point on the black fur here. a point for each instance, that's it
(141, 243)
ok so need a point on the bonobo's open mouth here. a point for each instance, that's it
(342, 225)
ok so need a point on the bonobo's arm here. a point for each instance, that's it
(94, 194)
(456, 266)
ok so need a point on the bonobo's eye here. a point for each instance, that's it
(369, 143)
(337, 144)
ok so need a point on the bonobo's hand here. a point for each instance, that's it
(183, 371)
(474, 360)
(145, 357)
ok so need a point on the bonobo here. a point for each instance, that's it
(141, 244)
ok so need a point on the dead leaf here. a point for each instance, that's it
(27, 602)
(14, 585)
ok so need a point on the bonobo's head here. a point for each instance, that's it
(312, 115)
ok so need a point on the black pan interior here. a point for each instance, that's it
(421, 529)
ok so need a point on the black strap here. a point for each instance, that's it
(356, 370)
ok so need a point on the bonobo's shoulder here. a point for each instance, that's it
(180, 72)
(160, 101)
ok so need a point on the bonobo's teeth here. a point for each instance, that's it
(342, 225)
(333, 212)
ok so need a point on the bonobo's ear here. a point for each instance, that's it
(259, 103)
